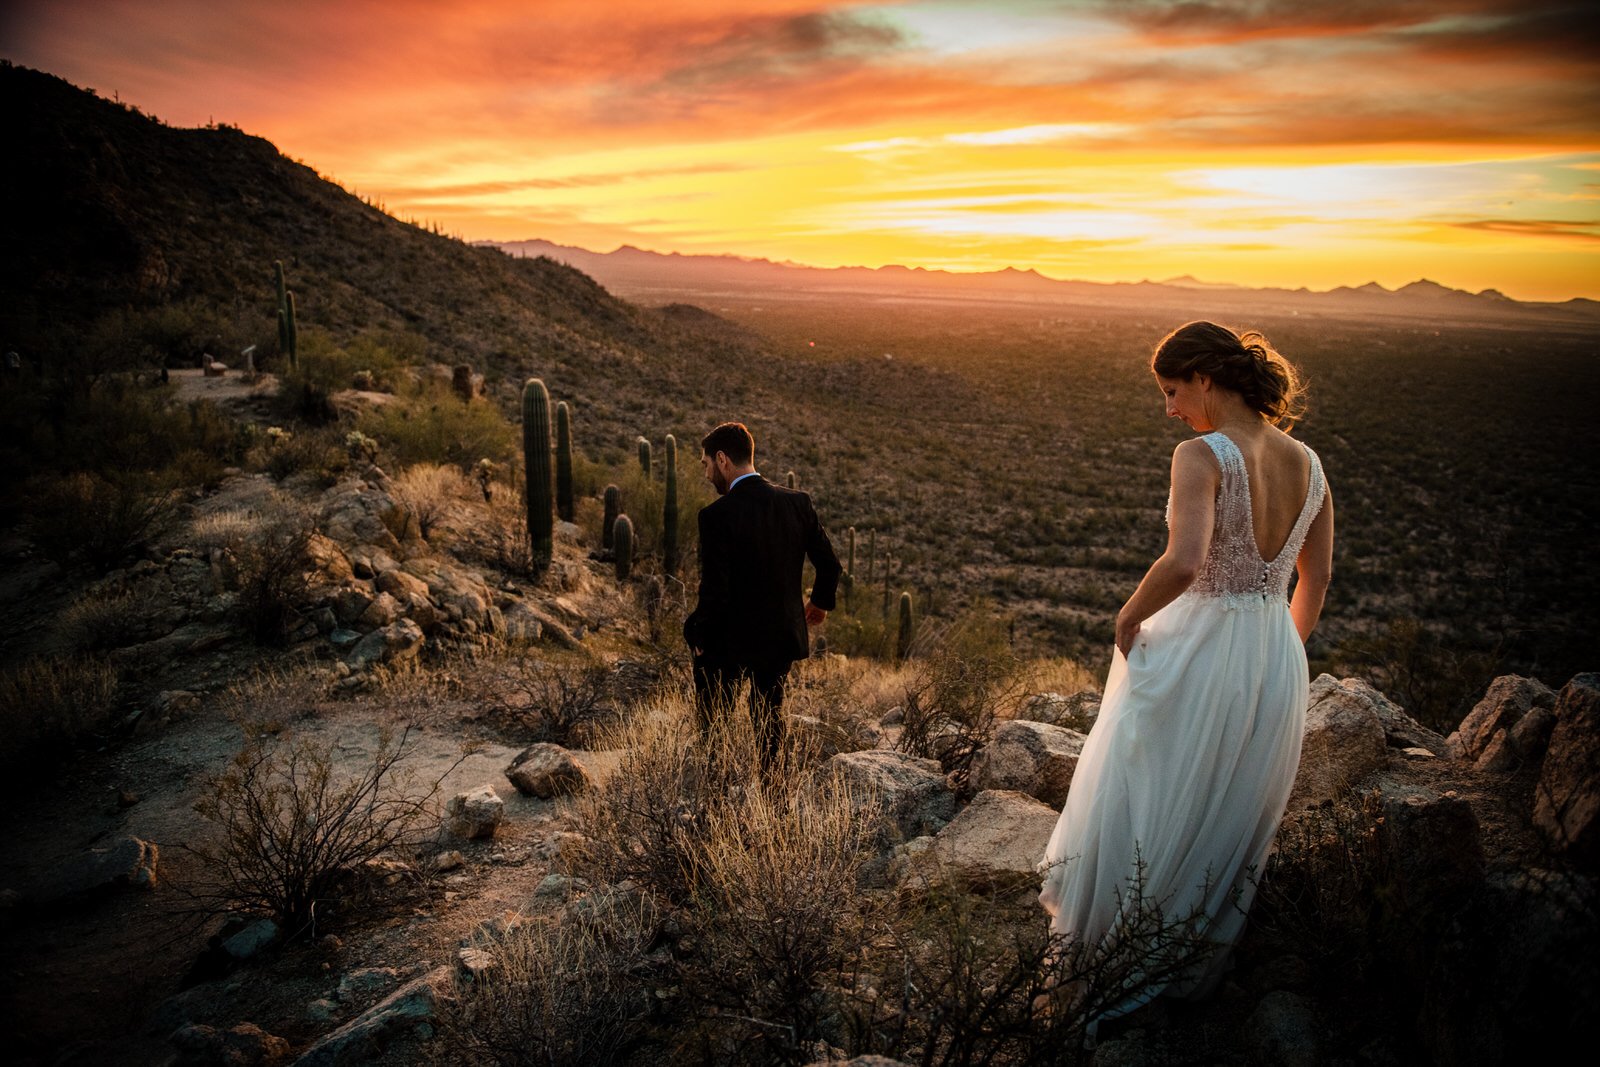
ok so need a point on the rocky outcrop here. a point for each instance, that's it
(1075, 711)
(1001, 834)
(475, 814)
(1485, 736)
(1029, 757)
(244, 1045)
(911, 793)
(545, 770)
(1566, 805)
(1344, 741)
(363, 1038)
(1433, 843)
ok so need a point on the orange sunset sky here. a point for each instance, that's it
(1264, 143)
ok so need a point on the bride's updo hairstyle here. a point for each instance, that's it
(1245, 363)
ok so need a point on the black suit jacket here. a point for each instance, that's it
(753, 543)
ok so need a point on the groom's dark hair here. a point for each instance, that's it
(733, 439)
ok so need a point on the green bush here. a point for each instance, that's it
(436, 426)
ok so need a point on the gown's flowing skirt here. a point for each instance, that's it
(1187, 769)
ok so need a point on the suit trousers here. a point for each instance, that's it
(716, 687)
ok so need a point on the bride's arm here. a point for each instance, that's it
(1195, 478)
(1315, 568)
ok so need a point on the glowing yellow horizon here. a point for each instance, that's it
(1095, 141)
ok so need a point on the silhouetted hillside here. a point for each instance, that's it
(110, 210)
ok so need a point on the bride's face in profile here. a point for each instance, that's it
(1186, 400)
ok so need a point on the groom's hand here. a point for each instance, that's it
(814, 614)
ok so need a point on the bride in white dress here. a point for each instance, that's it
(1188, 768)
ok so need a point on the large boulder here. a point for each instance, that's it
(1029, 757)
(1433, 842)
(475, 813)
(911, 793)
(1000, 835)
(394, 643)
(362, 1039)
(361, 513)
(1344, 741)
(1567, 800)
(1508, 700)
(545, 770)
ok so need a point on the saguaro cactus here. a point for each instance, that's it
(644, 457)
(888, 560)
(902, 644)
(872, 552)
(669, 512)
(563, 462)
(850, 571)
(536, 461)
(290, 330)
(613, 508)
(791, 481)
(622, 546)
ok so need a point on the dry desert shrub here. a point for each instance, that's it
(109, 618)
(962, 979)
(553, 993)
(100, 519)
(49, 703)
(288, 825)
(760, 876)
(967, 675)
(431, 492)
(546, 700)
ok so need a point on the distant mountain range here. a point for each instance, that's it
(639, 274)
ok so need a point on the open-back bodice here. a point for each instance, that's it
(1234, 569)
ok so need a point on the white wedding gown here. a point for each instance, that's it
(1189, 765)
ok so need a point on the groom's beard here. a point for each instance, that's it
(719, 483)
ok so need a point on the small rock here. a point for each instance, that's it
(1508, 699)
(1283, 1030)
(399, 641)
(343, 639)
(475, 814)
(251, 939)
(364, 983)
(244, 1045)
(546, 770)
(364, 1037)
(125, 861)
(476, 961)
(557, 886)
(322, 1010)
(448, 861)
(1417, 754)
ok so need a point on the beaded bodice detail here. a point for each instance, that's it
(1233, 569)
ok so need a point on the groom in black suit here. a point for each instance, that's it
(749, 622)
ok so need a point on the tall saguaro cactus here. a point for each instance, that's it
(902, 644)
(622, 546)
(536, 461)
(563, 462)
(644, 457)
(288, 333)
(669, 512)
(613, 509)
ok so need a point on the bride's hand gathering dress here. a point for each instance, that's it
(1189, 765)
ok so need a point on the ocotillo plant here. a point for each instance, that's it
(613, 508)
(669, 512)
(622, 546)
(563, 462)
(644, 457)
(902, 644)
(536, 461)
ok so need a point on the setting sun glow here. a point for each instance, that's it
(1257, 143)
